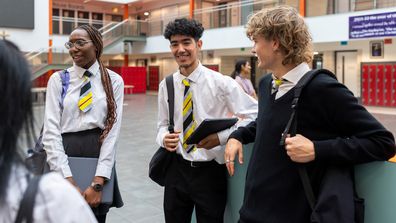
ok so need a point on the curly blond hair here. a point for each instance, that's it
(284, 24)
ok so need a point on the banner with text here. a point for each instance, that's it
(376, 25)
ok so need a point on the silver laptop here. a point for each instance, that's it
(83, 170)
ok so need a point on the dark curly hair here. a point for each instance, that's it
(183, 26)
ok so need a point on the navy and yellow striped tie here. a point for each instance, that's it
(188, 116)
(85, 102)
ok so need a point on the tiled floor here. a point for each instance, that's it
(142, 197)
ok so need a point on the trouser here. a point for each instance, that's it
(202, 185)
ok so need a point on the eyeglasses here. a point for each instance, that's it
(78, 44)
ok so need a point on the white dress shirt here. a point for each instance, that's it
(74, 120)
(292, 77)
(57, 201)
(214, 96)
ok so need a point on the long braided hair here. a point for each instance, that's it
(111, 118)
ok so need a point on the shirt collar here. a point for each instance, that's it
(295, 74)
(193, 77)
(80, 71)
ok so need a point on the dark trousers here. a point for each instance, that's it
(203, 187)
(101, 218)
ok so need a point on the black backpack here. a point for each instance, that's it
(333, 174)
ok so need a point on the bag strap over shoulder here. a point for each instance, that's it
(65, 78)
(171, 102)
(297, 92)
(26, 207)
(291, 128)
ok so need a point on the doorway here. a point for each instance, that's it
(347, 70)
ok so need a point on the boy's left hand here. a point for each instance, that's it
(300, 149)
(209, 142)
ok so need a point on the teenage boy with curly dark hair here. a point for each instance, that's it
(197, 176)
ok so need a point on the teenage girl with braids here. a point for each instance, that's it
(90, 130)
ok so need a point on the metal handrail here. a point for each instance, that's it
(119, 24)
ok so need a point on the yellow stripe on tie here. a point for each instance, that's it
(187, 99)
(86, 104)
(187, 109)
(85, 98)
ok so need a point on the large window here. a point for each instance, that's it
(83, 18)
(55, 21)
(325, 7)
(97, 20)
(67, 21)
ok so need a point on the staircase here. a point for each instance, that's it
(113, 33)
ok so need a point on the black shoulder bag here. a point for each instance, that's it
(332, 175)
(26, 207)
(162, 158)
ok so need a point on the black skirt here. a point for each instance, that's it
(86, 144)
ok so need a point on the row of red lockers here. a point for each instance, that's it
(379, 84)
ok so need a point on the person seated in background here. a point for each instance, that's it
(242, 76)
(56, 200)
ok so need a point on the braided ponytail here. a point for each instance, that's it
(111, 118)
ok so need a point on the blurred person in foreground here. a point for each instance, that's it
(56, 200)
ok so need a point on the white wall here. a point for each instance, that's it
(331, 28)
(36, 39)
(223, 38)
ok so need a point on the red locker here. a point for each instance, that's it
(394, 86)
(380, 85)
(153, 78)
(388, 85)
(365, 83)
(372, 85)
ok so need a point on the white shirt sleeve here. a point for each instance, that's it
(58, 201)
(52, 138)
(163, 115)
(240, 104)
(107, 151)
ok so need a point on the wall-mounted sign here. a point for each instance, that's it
(376, 25)
(377, 49)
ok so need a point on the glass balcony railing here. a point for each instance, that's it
(236, 13)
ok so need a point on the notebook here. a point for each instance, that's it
(210, 126)
(83, 170)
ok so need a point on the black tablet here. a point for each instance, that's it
(210, 126)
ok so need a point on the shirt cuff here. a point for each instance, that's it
(160, 139)
(66, 172)
(223, 136)
(236, 135)
(103, 171)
